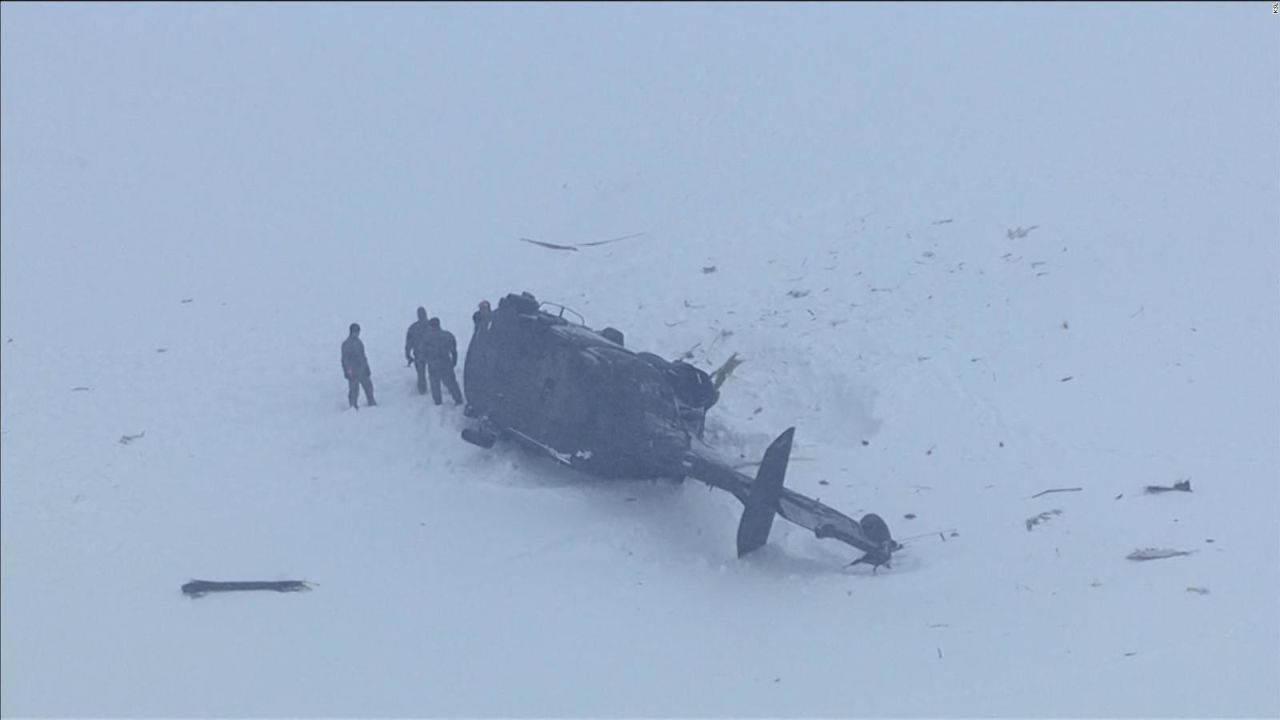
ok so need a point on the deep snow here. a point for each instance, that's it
(855, 175)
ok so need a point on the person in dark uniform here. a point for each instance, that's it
(355, 368)
(442, 357)
(415, 351)
(482, 317)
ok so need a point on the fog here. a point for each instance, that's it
(290, 168)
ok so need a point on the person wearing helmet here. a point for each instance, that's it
(355, 368)
(482, 316)
(415, 349)
(442, 357)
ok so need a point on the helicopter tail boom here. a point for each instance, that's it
(765, 496)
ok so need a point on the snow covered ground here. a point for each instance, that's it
(971, 252)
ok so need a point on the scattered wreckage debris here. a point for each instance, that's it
(708, 269)
(688, 354)
(80, 388)
(1156, 553)
(1042, 517)
(200, 588)
(1198, 590)
(723, 372)
(1020, 232)
(1180, 486)
(1055, 490)
(126, 439)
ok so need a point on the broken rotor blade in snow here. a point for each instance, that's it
(553, 246)
(198, 588)
(610, 240)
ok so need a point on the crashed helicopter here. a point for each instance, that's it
(584, 400)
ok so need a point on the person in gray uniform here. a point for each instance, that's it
(442, 357)
(415, 349)
(482, 316)
(355, 368)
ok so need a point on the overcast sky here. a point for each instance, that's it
(292, 131)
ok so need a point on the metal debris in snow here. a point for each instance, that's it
(1156, 553)
(1033, 521)
(1181, 486)
(199, 588)
(723, 372)
(1056, 490)
(126, 439)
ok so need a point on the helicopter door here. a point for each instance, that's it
(560, 397)
(552, 416)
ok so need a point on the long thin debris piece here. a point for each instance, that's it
(198, 588)
(553, 246)
(1054, 490)
(1182, 486)
(1156, 553)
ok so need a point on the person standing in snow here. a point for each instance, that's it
(415, 350)
(481, 317)
(442, 357)
(355, 368)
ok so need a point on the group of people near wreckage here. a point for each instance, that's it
(428, 348)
